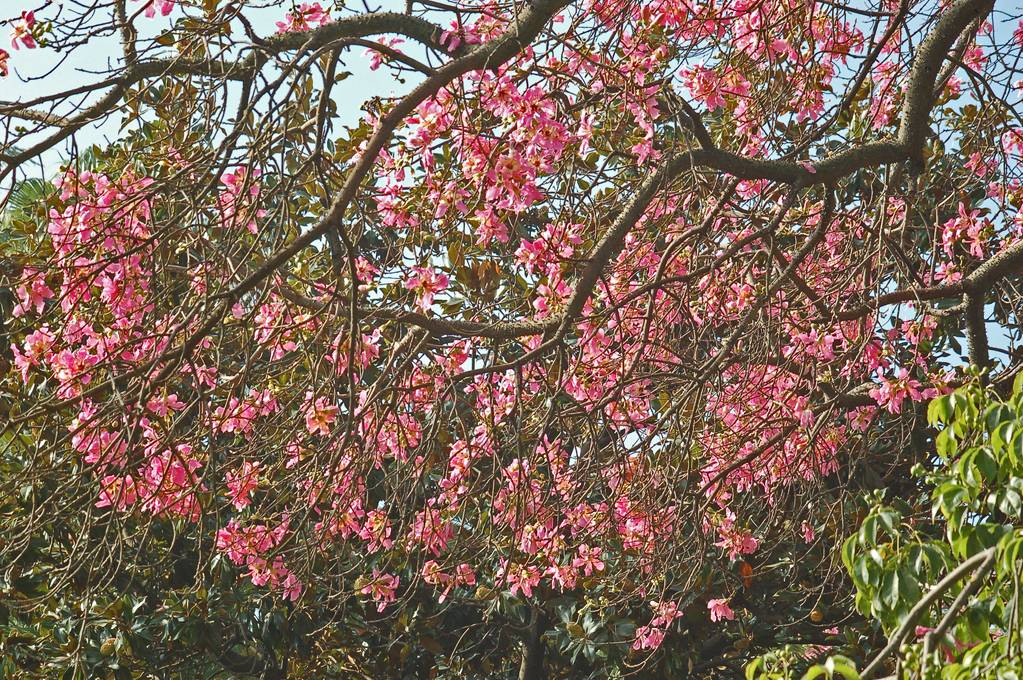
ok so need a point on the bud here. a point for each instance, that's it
(108, 647)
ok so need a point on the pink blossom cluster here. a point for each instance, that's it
(168, 485)
(240, 194)
(381, 588)
(434, 575)
(251, 546)
(308, 16)
(154, 7)
(651, 636)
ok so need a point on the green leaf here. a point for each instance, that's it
(848, 553)
(945, 444)
(865, 573)
(890, 519)
(983, 536)
(997, 414)
(1010, 502)
(842, 666)
(909, 587)
(939, 411)
(890, 589)
(868, 531)
(987, 464)
(977, 623)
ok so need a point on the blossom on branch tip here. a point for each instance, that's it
(163, 7)
(381, 588)
(426, 283)
(376, 57)
(307, 17)
(720, 611)
(320, 414)
(22, 32)
(892, 392)
(241, 483)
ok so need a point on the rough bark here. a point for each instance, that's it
(533, 648)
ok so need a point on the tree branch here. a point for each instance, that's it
(981, 560)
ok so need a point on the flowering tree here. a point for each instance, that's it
(590, 340)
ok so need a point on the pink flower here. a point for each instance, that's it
(291, 587)
(23, 32)
(308, 17)
(664, 613)
(453, 38)
(376, 57)
(431, 531)
(588, 560)
(705, 85)
(164, 7)
(947, 272)
(119, 493)
(520, 577)
(165, 405)
(892, 392)
(651, 636)
(36, 345)
(585, 132)
(861, 418)
(464, 575)
(736, 540)
(319, 415)
(532, 254)
(376, 531)
(365, 271)
(236, 416)
(434, 575)
(808, 533)
(241, 483)
(5, 69)
(170, 483)
(648, 637)
(426, 283)
(980, 165)
(235, 206)
(564, 577)
(381, 588)
(720, 611)
(550, 297)
(967, 225)
(32, 294)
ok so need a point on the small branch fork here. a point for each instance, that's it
(978, 565)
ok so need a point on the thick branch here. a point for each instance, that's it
(929, 57)
(533, 647)
(976, 331)
(978, 283)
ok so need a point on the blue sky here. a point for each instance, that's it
(43, 71)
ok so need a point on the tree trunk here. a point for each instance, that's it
(533, 648)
